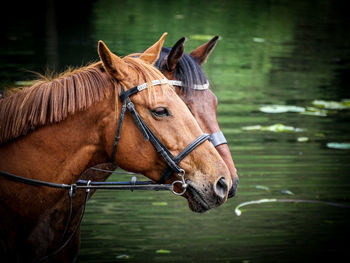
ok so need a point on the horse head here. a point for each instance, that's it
(192, 86)
(165, 114)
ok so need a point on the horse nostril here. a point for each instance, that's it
(221, 188)
(233, 189)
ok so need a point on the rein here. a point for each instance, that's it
(87, 186)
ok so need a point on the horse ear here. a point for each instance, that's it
(114, 65)
(201, 53)
(175, 54)
(152, 53)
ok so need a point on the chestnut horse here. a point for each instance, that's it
(56, 129)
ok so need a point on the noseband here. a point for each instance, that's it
(216, 138)
(148, 134)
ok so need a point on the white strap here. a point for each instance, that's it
(201, 87)
(175, 82)
(154, 82)
(195, 87)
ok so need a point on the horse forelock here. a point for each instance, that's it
(50, 101)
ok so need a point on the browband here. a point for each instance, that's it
(141, 87)
(195, 87)
(154, 82)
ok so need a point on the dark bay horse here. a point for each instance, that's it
(56, 129)
(193, 87)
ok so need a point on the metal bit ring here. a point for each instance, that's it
(183, 185)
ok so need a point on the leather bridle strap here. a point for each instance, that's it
(117, 137)
(150, 136)
(189, 148)
(193, 145)
(124, 96)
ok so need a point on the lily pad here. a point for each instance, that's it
(332, 105)
(303, 139)
(312, 111)
(346, 102)
(287, 192)
(273, 128)
(160, 203)
(262, 187)
(339, 145)
(252, 128)
(281, 108)
(163, 251)
(258, 39)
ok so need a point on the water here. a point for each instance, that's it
(270, 52)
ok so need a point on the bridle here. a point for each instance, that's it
(216, 138)
(148, 134)
(169, 158)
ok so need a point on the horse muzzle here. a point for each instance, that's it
(208, 196)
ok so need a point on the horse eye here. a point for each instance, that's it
(160, 112)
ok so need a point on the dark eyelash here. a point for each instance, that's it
(160, 112)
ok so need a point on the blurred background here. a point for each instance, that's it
(281, 72)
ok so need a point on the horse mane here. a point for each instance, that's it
(50, 101)
(187, 70)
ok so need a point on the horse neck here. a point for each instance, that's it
(61, 152)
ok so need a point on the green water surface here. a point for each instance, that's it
(269, 52)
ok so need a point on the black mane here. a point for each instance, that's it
(187, 70)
